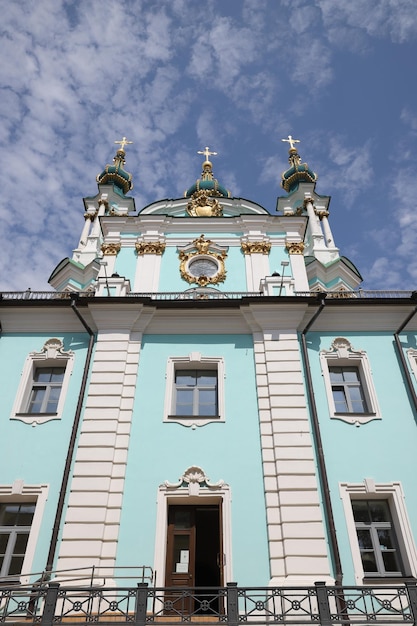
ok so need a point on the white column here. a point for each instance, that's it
(313, 219)
(327, 232)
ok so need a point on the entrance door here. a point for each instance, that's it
(194, 548)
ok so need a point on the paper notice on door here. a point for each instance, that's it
(181, 568)
(184, 556)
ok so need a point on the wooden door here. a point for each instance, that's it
(194, 553)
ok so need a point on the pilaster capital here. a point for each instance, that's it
(110, 249)
(295, 247)
(255, 247)
(150, 247)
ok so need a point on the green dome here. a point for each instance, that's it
(208, 185)
(297, 173)
(116, 175)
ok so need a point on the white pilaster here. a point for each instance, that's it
(94, 507)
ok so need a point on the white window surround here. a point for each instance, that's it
(193, 361)
(19, 492)
(341, 353)
(51, 355)
(393, 493)
(412, 357)
(193, 487)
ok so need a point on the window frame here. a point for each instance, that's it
(20, 493)
(394, 495)
(194, 361)
(342, 354)
(51, 355)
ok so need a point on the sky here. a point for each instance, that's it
(174, 76)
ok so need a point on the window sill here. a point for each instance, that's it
(357, 419)
(33, 419)
(391, 579)
(193, 421)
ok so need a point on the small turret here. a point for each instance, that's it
(298, 172)
(115, 174)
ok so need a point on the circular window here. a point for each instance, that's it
(203, 267)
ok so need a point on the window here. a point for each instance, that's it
(348, 380)
(379, 530)
(194, 390)
(46, 389)
(15, 523)
(376, 538)
(21, 512)
(347, 390)
(43, 385)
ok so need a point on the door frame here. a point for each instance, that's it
(193, 488)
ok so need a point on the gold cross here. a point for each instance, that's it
(207, 153)
(123, 142)
(291, 141)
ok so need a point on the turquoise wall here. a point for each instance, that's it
(125, 265)
(36, 454)
(229, 451)
(354, 453)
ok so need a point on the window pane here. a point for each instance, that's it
(15, 567)
(364, 539)
(36, 399)
(386, 539)
(340, 400)
(390, 561)
(21, 543)
(351, 374)
(207, 402)
(57, 375)
(207, 378)
(357, 399)
(379, 511)
(25, 516)
(182, 519)
(53, 399)
(336, 374)
(8, 514)
(4, 538)
(185, 377)
(360, 510)
(368, 562)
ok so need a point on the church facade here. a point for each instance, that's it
(208, 397)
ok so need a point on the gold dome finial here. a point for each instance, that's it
(207, 173)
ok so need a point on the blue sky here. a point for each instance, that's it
(236, 75)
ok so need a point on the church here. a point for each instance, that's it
(207, 419)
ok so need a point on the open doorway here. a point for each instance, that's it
(194, 550)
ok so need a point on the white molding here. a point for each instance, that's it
(341, 353)
(51, 355)
(20, 492)
(193, 487)
(193, 360)
(412, 357)
(392, 492)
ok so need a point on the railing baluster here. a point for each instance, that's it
(232, 605)
(50, 604)
(323, 604)
(412, 599)
(141, 604)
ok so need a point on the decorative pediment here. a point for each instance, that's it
(194, 478)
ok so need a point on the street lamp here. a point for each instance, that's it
(283, 265)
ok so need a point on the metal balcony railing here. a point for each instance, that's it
(203, 295)
(231, 605)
